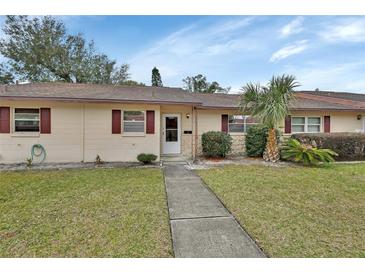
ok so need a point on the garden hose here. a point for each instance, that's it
(38, 151)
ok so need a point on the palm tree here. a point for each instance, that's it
(269, 105)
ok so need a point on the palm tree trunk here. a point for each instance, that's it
(271, 153)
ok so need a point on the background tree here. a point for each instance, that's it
(156, 78)
(199, 84)
(6, 77)
(39, 49)
(270, 105)
(133, 83)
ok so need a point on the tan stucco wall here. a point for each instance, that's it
(340, 121)
(69, 142)
(63, 145)
(117, 147)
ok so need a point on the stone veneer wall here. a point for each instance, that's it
(186, 145)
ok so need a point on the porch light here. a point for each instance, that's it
(359, 116)
(187, 115)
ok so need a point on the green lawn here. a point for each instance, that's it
(84, 213)
(297, 211)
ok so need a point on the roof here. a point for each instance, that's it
(98, 93)
(337, 94)
(218, 100)
(305, 100)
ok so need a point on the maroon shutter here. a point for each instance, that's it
(45, 120)
(4, 119)
(150, 126)
(287, 124)
(116, 121)
(327, 123)
(225, 123)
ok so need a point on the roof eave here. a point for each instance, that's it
(91, 100)
(217, 107)
(326, 109)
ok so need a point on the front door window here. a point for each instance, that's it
(171, 129)
(171, 136)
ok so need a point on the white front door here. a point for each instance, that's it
(171, 139)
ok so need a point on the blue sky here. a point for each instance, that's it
(325, 52)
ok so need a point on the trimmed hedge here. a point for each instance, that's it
(216, 143)
(348, 146)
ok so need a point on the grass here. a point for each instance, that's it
(84, 213)
(297, 211)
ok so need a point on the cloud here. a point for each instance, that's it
(196, 48)
(330, 76)
(289, 50)
(295, 26)
(348, 30)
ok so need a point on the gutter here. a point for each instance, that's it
(88, 100)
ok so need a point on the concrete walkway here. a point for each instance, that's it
(201, 226)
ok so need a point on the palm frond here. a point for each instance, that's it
(308, 155)
(269, 104)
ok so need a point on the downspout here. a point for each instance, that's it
(192, 135)
(83, 133)
(196, 134)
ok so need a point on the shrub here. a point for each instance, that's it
(256, 140)
(216, 144)
(295, 151)
(348, 146)
(146, 158)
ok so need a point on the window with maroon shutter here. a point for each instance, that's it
(225, 123)
(327, 123)
(150, 117)
(4, 119)
(27, 120)
(45, 120)
(287, 124)
(116, 121)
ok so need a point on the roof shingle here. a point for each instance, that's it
(162, 95)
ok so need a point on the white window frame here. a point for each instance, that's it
(26, 132)
(306, 124)
(244, 124)
(129, 133)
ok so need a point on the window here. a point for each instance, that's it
(306, 124)
(314, 124)
(133, 121)
(26, 120)
(298, 124)
(240, 123)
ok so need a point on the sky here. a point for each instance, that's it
(325, 52)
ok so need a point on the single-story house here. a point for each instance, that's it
(76, 122)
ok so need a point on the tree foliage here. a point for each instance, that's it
(156, 78)
(6, 77)
(39, 49)
(199, 84)
(269, 105)
(133, 83)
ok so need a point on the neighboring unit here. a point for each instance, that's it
(76, 122)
